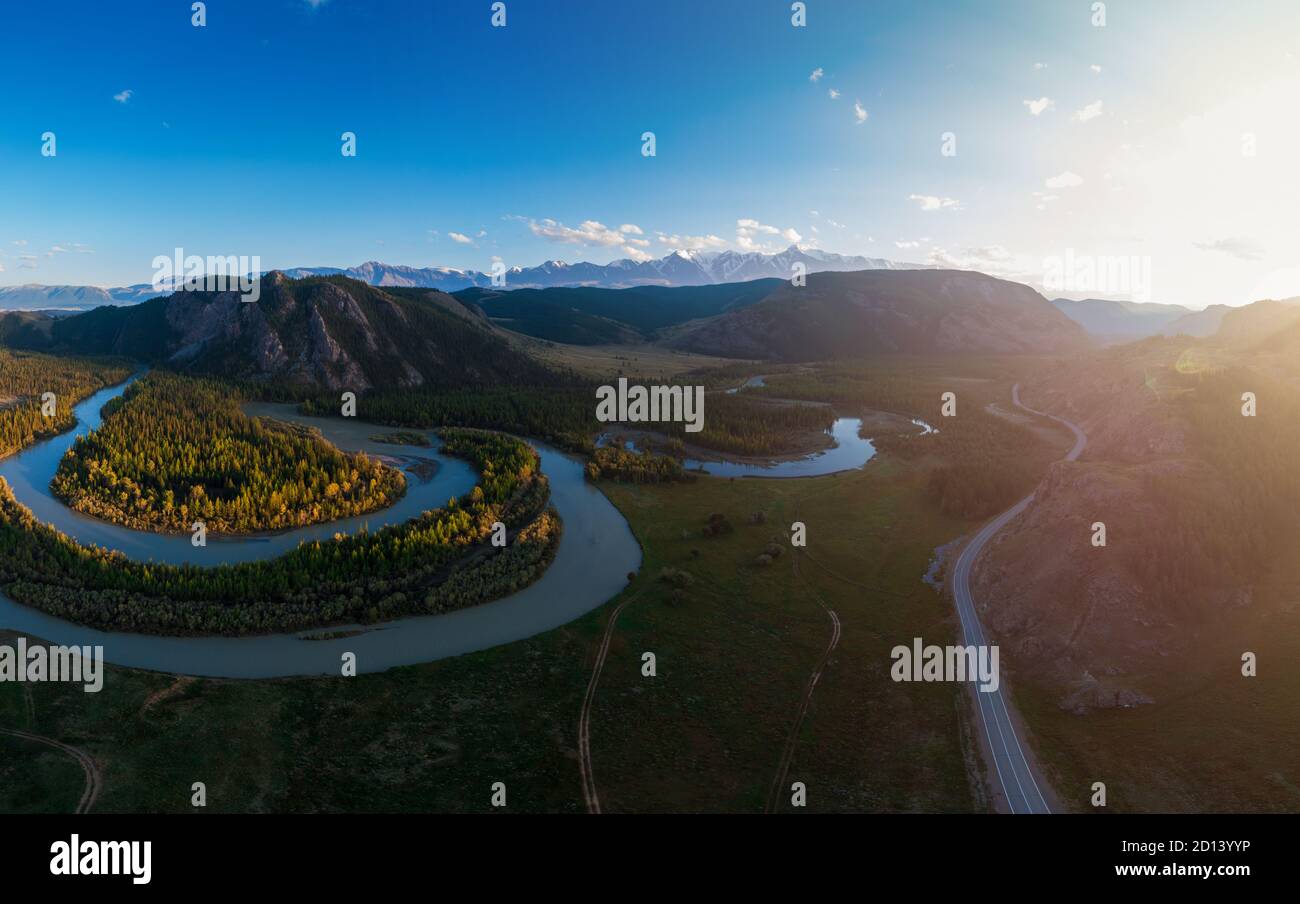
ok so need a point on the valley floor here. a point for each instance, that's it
(734, 655)
(729, 720)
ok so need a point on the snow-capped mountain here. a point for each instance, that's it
(70, 298)
(680, 268)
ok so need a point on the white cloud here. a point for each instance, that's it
(994, 260)
(1242, 249)
(20, 242)
(593, 233)
(1095, 68)
(460, 238)
(1040, 106)
(816, 74)
(1044, 199)
(833, 94)
(859, 112)
(590, 232)
(747, 230)
(123, 96)
(908, 243)
(635, 254)
(692, 242)
(934, 202)
(1039, 66)
(1066, 179)
(1091, 111)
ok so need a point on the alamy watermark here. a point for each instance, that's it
(194, 273)
(934, 663)
(1108, 275)
(656, 404)
(36, 663)
(75, 857)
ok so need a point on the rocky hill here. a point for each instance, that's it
(1198, 504)
(330, 332)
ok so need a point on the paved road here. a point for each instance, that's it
(1016, 778)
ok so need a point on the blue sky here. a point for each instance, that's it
(1115, 141)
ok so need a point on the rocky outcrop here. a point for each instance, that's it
(322, 332)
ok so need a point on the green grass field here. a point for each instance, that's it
(734, 653)
(705, 734)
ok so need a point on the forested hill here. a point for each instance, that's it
(851, 315)
(594, 316)
(322, 332)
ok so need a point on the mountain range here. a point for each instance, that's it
(1111, 321)
(337, 332)
(71, 298)
(680, 268)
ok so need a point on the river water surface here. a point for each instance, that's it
(596, 553)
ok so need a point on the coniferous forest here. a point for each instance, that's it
(174, 450)
(435, 563)
(565, 416)
(25, 377)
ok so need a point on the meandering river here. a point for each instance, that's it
(596, 553)
(850, 451)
